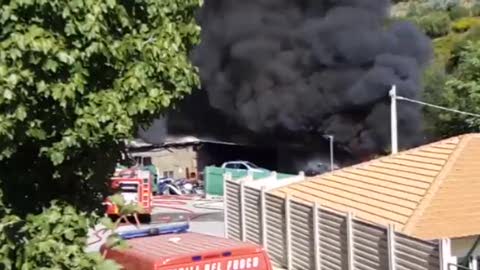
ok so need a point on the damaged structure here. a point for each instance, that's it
(187, 156)
(312, 67)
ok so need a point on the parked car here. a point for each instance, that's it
(243, 165)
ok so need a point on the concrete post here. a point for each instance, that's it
(226, 177)
(264, 218)
(316, 235)
(243, 222)
(350, 241)
(446, 254)
(391, 247)
(288, 232)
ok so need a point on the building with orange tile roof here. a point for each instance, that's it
(429, 192)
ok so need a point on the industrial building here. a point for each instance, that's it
(187, 156)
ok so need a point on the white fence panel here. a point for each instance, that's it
(333, 240)
(303, 249)
(370, 246)
(276, 229)
(317, 238)
(233, 213)
(253, 215)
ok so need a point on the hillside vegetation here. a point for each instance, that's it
(451, 80)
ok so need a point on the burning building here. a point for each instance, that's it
(277, 71)
(187, 156)
(312, 67)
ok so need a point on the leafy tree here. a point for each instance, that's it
(434, 24)
(434, 80)
(475, 9)
(77, 78)
(51, 240)
(442, 4)
(462, 92)
(459, 46)
(457, 12)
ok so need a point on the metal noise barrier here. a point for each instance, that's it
(300, 236)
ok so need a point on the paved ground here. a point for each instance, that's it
(205, 216)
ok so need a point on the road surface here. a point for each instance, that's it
(206, 216)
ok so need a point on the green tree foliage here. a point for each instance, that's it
(461, 92)
(51, 240)
(451, 37)
(434, 24)
(442, 4)
(77, 78)
(434, 81)
(464, 24)
(458, 47)
(475, 9)
(457, 12)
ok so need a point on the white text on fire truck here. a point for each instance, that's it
(237, 264)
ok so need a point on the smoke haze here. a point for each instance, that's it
(318, 66)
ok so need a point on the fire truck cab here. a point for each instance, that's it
(186, 251)
(136, 187)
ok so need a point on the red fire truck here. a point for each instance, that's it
(135, 186)
(172, 248)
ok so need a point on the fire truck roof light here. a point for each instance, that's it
(179, 227)
(226, 254)
(196, 258)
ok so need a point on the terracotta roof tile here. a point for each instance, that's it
(427, 192)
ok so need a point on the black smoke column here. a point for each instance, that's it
(313, 66)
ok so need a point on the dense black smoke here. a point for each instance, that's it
(321, 66)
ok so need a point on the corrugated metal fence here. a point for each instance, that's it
(302, 236)
(213, 177)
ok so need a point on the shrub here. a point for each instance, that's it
(53, 239)
(442, 4)
(458, 12)
(443, 47)
(417, 10)
(433, 82)
(435, 24)
(475, 9)
(459, 47)
(473, 33)
(465, 24)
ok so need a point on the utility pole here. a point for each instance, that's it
(330, 138)
(393, 119)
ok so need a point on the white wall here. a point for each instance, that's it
(176, 160)
(461, 246)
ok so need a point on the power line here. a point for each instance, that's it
(437, 106)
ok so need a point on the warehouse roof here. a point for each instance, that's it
(429, 192)
(172, 140)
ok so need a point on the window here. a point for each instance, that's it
(251, 165)
(242, 167)
(231, 166)
(129, 187)
(147, 161)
